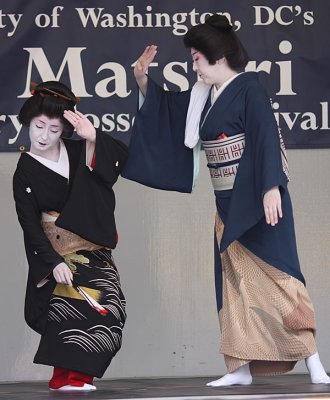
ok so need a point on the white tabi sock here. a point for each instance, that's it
(241, 376)
(316, 370)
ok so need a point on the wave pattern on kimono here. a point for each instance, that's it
(88, 338)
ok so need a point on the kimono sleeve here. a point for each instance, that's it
(263, 131)
(260, 167)
(37, 244)
(110, 157)
(89, 208)
(157, 155)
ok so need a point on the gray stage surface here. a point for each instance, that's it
(280, 387)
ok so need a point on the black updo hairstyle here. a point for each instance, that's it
(216, 39)
(51, 99)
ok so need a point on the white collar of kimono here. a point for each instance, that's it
(198, 97)
(216, 92)
(61, 166)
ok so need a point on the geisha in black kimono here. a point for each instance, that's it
(65, 204)
(266, 316)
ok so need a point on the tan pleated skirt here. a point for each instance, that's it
(267, 318)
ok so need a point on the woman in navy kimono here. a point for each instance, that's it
(65, 204)
(266, 316)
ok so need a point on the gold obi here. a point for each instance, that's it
(63, 241)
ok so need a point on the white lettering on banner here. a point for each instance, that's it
(309, 18)
(107, 122)
(283, 15)
(174, 77)
(306, 120)
(44, 20)
(118, 75)
(110, 79)
(73, 61)
(111, 122)
(16, 124)
(119, 78)
(325, 115)
(97, 17)
(13, 19)
(285, 67)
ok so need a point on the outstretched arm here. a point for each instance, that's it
(142, 65)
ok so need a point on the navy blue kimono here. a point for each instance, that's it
(159, 159)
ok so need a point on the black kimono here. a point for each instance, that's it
(265, 313)
(74, 335)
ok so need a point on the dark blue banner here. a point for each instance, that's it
(92, 47)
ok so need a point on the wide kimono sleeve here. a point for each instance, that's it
(157, 155)
(110, 156)
(89, 209)
(41, 256)
(37, 244)
(260, 167)
(261, 127)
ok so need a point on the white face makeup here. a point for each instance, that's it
(45, 134)
(207, 72)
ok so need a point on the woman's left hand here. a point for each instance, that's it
(273, 206)
(82, 124)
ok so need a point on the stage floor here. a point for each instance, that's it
(280, 387)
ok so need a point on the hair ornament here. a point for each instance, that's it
(32, 91)
(41, 91)
(56, 94)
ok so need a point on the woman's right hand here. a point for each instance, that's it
(63, 274)
(142, 65)
(273, 206)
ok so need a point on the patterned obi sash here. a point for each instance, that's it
(63, 241)
(223, 157)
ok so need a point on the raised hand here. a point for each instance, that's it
(81, 123)
(273, 206)
(142, 65)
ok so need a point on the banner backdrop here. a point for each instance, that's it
(92, 46)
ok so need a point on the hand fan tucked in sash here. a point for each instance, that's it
(93, 303)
